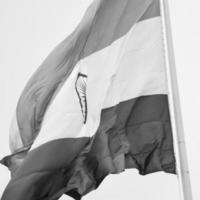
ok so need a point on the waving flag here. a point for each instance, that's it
(97, 105)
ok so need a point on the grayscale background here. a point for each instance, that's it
(30, 29)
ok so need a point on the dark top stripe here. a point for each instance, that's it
(98, 29)
(134, 134)
(115, 18)
(152, 11)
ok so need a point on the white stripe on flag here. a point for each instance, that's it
(14, 135)
(113, 76)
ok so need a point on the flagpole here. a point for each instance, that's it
(183, 172)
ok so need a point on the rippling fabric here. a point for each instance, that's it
(96, 106)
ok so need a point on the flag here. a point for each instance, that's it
(96, 106)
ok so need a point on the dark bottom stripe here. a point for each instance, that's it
(134, 134)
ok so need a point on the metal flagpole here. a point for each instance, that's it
(183, 173)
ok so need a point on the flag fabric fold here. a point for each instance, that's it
(96, 106)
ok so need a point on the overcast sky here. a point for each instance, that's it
(29, 30)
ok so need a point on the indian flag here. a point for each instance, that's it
(96, 106)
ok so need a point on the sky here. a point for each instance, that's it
(31, 29)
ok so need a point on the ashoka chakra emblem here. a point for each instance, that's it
(81, 92)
